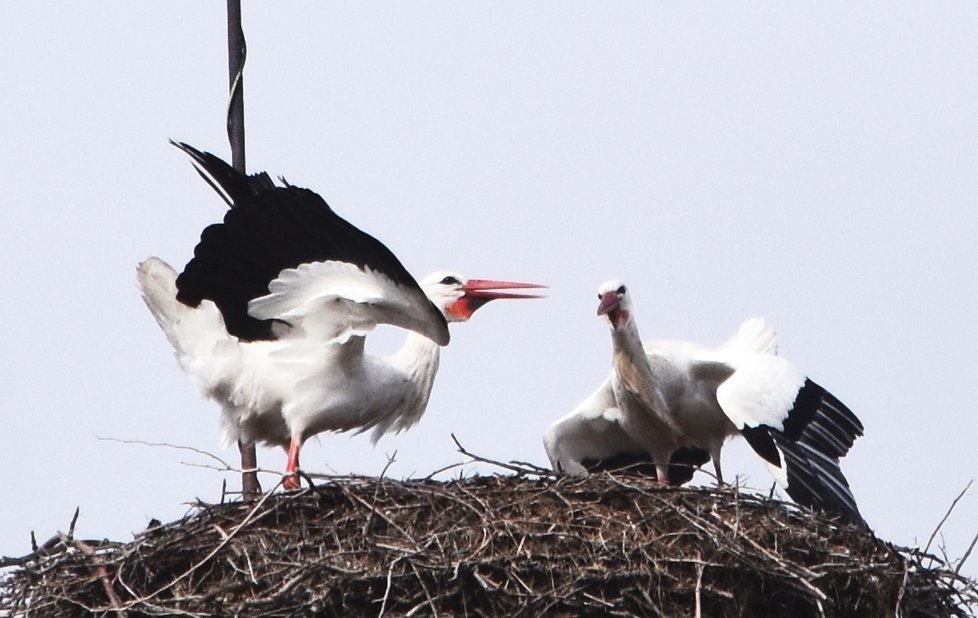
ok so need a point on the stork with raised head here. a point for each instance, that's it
(666, 395)
(270, 316)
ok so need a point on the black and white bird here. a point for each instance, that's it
(269, 317)
(663, 396)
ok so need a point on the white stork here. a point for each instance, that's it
(668, 395)
(269, 317)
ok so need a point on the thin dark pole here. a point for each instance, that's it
(237, 51)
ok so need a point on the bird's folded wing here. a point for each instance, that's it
(334, 300)
(589, 431)
(600, 403)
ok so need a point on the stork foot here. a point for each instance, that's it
(291, 482)
(662, 475)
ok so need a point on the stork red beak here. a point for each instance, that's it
(478, 292)
(486, 288)
(610, 305)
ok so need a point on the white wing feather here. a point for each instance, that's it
(761, 391)
(753, 336)
(334, 301)
(589, 431)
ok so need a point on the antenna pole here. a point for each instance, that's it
(237, 52)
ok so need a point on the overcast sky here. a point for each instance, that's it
(812, 163)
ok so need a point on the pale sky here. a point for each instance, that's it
(812, 163)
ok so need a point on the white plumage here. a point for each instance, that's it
(337, 300)
(270, 316)
(664, 396)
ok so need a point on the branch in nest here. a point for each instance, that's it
(519, 468)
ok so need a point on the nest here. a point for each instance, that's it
(518, 545)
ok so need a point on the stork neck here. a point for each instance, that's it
(629, 359)
(635, 377)
(628, 343)
(418, 358)
(407, 376)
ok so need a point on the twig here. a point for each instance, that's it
(74, 520)
(897, 612)
(100, 570)
(539, 470)
(390, 461)
(699, 588)
(424, 587)
(957, 569)
(225, 466)
(438, 471)
(736, 527)
(946, 515)
(518, 469)
(387, 590)
(370, 518)
(222, 465)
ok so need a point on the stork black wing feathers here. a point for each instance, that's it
(818, 430)
(228, 182)
(267, 230)
(816, 481)
(820, 420)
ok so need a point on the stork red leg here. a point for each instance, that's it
(291, 480)
(662, 475)
(716, 467)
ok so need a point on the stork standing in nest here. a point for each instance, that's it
(269, 318)
(665, 396)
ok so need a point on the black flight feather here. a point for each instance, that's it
(269, 229)
(818, 430)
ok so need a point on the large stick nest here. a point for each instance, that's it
(608, 545)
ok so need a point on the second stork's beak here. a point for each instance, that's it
(610, 305)
(478, 292)
(609, 302)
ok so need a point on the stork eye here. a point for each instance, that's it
(621, 290)
(450, 280)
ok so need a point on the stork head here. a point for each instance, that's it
(614, 302)
(458, 298)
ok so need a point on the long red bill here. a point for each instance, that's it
(488, 289)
